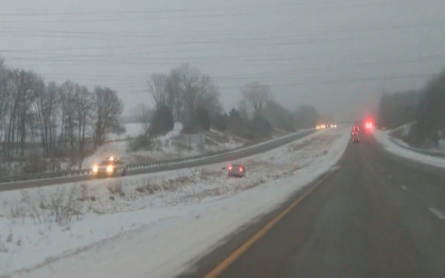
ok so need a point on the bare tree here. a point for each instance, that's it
(68, 114)
(257, 95)
(5, 97)
(83, 103)
(190, 79)
(53, 106)
(209, 97)
(278, 115)
(189, 89)
(31, 111)
(175, 91)
(23, 95)
(46, 105)
(157, 87)
(242, 110)
(107, 110)
(145, 114)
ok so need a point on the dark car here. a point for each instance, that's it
(355, 139)
(236, 170)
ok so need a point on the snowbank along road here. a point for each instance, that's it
(427, 162)
(152, 225)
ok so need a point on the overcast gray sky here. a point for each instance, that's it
(335, 54)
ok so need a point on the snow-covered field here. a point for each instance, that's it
(383, 138)
(151, 225)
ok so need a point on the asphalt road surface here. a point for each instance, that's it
(372, 217)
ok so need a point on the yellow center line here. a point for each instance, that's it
(243, 248)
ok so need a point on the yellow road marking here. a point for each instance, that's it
(238, 252)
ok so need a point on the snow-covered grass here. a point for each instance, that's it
(402, 131)
(385, 139)
(152, 225)
(173, 133)
(166, 147)
(131, 130)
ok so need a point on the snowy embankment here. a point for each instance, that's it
(389, 145)
(165, 147)
(151, 225)
(120, 148)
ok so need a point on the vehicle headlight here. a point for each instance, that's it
(110, 169)
(95, 168)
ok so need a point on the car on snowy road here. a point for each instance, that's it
(109, 167)
(236, 170)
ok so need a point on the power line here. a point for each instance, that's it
(132, 12)
(210, 34)
(141, 90)
(126, 88)
(215, 15)
(248, 59)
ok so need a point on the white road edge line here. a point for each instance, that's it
(403, 187)
(437, 213)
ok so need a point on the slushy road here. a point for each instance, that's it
(372, 217)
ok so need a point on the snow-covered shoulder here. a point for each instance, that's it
(390, 145)
(151, 225)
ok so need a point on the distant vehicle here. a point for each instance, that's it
(236, 170)
(355, 139)
(369, 125)
(383, 127)
(109, 167)
(331, 125)
(355, 130)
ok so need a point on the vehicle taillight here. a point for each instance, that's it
(241, 169)
(230, 168)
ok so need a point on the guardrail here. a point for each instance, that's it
(421, 151)
(131, 166)
(44, 175)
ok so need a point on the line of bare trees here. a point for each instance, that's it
(193, 99)
(260, 112)
(187, 93)
(65, 120)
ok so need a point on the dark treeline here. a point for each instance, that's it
(47, 122)
(189, 96)
(424, 108)
(53, 120)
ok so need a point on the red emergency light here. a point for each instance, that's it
(368, 125)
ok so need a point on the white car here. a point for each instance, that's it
(110, 167)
